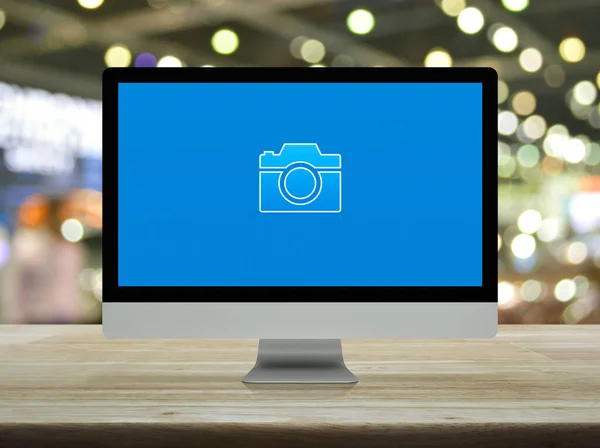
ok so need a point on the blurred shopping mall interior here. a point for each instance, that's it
(546, 53)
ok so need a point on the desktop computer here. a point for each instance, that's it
(300, 206)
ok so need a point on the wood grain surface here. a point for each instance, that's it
(530, 386)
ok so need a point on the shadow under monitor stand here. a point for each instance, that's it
(300, 361)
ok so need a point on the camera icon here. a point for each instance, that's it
(300, 179)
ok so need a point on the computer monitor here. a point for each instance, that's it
(299, 206)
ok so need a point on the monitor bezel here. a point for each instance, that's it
(112, 77)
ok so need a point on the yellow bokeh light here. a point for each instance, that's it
(572, 49)
(529, 221)
(438, 58)
(598, 80)
(117, 56)
(90, 4)
(453, 8)
(523, 246)
(225, 41)
(361, 21)
(2, 19)
(503, 91)
(515, 5)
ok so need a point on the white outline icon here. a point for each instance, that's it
(332, 167)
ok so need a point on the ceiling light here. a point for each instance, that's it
(225, 41)
(145, 60)
(72, 230)
(503, 91)
(312, 51)
(572, 49)
(361, 21)
(507, 122)
(585, 93)
(515, 5)
(453, 8)
(524, 103)
(117, 56)
(531, 60)
(170, 61)
(438, 58)
(296, 45)
(90, 4)
(470, 20)
(505, 39)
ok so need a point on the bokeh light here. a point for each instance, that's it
(503, 92)
(72, 230)
(90, 4)
(528, 156)
(225, 42)
(550, 230)
(360, 21)
(507, 122)
(577, 252)
(515, 5)
(170, 61)
(312, 51)
(145, 60)
(2, 19)
(574, 150)
(585, 93)
(531, 290)
(523, 246)
(117, 56)
(506, 294)
(524, 103)
(572, 49)
(505, 39)
(470, 20)
(453, 8)
(531, 60)
(529, 221)
(534, 127)
(565, 290)
(438, 58)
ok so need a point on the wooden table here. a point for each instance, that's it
(531, 386)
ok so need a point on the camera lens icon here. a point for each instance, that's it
(300, 183)
(299, 179)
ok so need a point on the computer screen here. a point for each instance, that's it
(293, 184)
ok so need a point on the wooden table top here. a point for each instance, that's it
(539, 384)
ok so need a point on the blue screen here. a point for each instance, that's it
(277, 184)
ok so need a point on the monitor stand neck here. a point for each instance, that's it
(300, 361)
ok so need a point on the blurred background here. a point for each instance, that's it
(546, 52)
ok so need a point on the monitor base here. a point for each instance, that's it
(300, 361)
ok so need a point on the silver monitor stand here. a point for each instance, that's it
(300, 361)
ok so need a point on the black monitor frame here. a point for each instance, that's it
(487, 77)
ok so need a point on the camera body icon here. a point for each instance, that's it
(300, 179)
